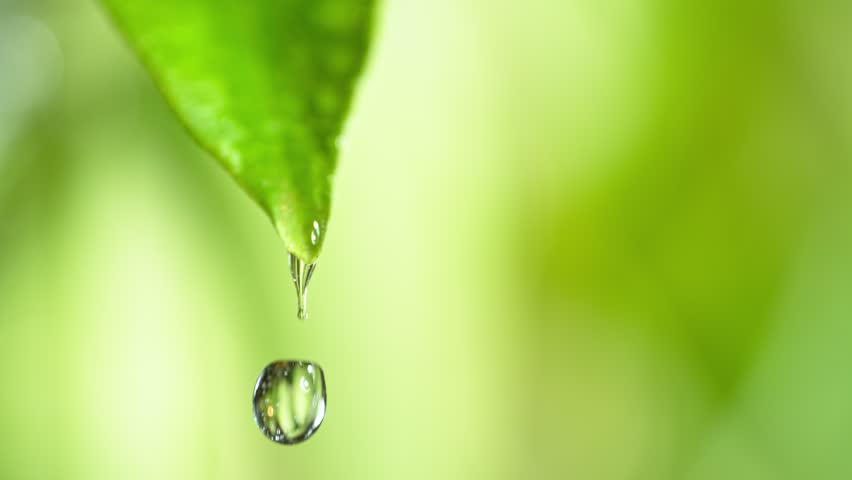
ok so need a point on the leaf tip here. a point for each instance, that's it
(302, 239)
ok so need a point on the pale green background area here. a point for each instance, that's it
(569, 239)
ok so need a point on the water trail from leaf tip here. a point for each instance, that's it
(301, 274)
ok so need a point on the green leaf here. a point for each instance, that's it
(264, 86)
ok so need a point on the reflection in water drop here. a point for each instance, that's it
(301, 274)
(284, 412)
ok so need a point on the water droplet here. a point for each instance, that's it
(289, 400)
(315, 232)
(301, 273)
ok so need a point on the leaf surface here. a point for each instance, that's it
(264, 86)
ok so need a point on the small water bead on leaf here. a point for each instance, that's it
(289, 400)
(315, 233)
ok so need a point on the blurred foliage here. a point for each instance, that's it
(585, 239)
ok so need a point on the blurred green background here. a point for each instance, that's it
(570, 239)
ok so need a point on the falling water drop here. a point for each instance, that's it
(301, 273)
(289, 400)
